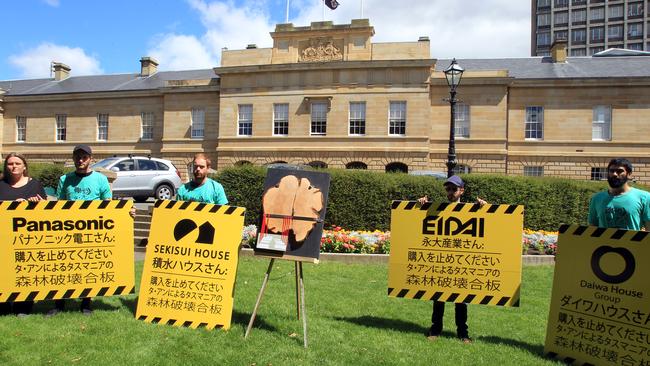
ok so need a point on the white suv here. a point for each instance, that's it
(142, 177)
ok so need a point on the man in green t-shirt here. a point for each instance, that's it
(621, 206)
(202, 188)
(83, 184)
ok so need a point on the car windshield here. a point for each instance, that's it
(104, 163)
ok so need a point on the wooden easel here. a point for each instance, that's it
(300, 293)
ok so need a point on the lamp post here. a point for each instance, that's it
(453, 74)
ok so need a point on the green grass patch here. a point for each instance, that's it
(351, 321)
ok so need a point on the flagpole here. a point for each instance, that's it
(323, 7)
(361, 17)
(287, 18)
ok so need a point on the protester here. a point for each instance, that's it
(17, 185)
(455, 187)
(201, 188)
(83, 184)
(621, 206)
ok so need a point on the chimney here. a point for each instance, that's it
(558, 50)
(61, 71)
(251, 46)
(148, 66)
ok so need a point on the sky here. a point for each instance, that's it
(110, 37)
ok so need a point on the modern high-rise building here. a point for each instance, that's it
(589, 26)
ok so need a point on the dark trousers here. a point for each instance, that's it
(438, 314)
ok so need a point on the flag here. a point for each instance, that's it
(332, 4)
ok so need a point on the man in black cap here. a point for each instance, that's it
(455, 187)
(83, 184)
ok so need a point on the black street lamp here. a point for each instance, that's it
(453, 73)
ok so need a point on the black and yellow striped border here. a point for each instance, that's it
(200, 207)
(453, 297)
(72, 293)
(458, 207)
(62, 205)
(599, 232)
(180, 323)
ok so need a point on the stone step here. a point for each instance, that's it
(141, 225)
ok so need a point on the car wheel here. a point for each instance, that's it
(164, 192)
(141, 199)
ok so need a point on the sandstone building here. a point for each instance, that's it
(326, 95)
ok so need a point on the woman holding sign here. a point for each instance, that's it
(17, 185)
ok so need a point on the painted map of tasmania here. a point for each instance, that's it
(293, 197)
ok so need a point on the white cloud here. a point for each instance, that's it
(35, 62)
(463, 29)
(181, 52)
(53, 3)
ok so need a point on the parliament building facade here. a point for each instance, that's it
(327, 96)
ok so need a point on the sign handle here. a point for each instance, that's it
(297, 288)
(302, 305)
(259, 297)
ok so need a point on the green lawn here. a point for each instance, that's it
(351, 322)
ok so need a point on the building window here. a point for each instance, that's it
(635, 46)
(579, 52)
(197, 123)
(462, 118)
(534, 128)
(544, 20)
(615, 12)
(102, 127)
(635, 10)
(319, 118)
(356, 165)
(597, 34)
(635, 30)
(397, 119)
(563, 35)
(544, 39)
(598, 173)
(561, 3)
(280, 119)
(318, 164)
(561, 18)
(21, 128)
(462, 169)
(579, 36)
(534, 171)
(597, 15)
(578, 2)
(245, 120)
(147, 125)
(397, 167)
(543, 3)
(615, 33)
(602, 123)
(579, 16)
(357, 118)
(594, 50)
(61, 127)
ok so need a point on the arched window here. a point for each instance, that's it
(243, 162)
(277, 162)
(318, 164)
(462, 169)
(397, 167)
(356, 165)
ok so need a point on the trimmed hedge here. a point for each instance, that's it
(360, 200)
(48, 173)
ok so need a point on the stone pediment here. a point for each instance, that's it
(320, 49)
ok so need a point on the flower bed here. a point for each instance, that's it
(339, 240)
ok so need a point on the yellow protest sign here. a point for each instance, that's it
(600, 307)
(191, 264)
(65, 249)
(456, 252)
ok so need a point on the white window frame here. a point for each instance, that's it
(598, 12)
(102, 126)
(615, 11)
(561, 17)
(146, 126)
(601, 127)
(397, 118)
(615, 31)
(579, 15)
(245, 120)
(534, 123)
(638, 30)
(318, 124)
(635, 9)
(21, 128)
(544, 38)
(197, 123)
(543, 19)
(599, 173)
(597, 31)
(533, 171)
(60, 127)
(357, 119)
(462, 120)
(579, 32)
(281, 119)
